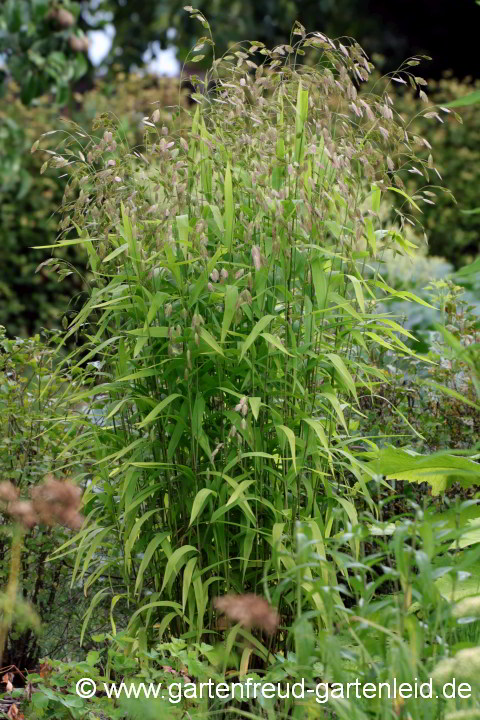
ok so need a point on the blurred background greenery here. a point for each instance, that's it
(79, 59)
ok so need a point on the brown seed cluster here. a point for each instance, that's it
(56, 502)
(249, 610)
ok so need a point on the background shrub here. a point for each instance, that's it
(30, 201)
(453, 230)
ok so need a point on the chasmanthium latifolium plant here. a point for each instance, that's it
(231, 330)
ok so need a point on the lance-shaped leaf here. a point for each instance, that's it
(261, 325)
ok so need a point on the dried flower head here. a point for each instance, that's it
(8, 492)
(249, 610)
(22, 511)
(59, 502)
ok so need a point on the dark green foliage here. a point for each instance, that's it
(453, 230)
(28, 217)
(43, 49)
(31, 437)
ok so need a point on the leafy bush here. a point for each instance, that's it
(42, 47)
(405, 588)
(35, 431)
(30, 201)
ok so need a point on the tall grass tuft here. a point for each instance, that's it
(231, 331)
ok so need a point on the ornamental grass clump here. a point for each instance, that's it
(230, 330)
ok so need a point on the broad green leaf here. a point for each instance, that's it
(134, 533)
(172, 264)
(64, 243)
(453, 393)
(290, 435)
(472, 267)
(471, 536)
(187, 579)
(371, 237)
(164, 623)
(376, 197)
(183, 229)
(468, 99)
(300, 120)
(454, 589)
(151, 548)
(238, 492)
(217, 216)
(197, 414)
(276, 342)
(173, 560)
(128, 234)
(115, 252)
(255, 403)
(336, 406)
(205, 335)
(357, 286)
(154, 331)
(407, 197)
(344, 373)
(319, 430)
(158, 409)
(378, 339)
(397, 464)
(199, 502)
(154, 604)
(319, 282)
(261, 325)
(349, 508)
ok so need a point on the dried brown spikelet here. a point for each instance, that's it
(249, 610)
(59, 502)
